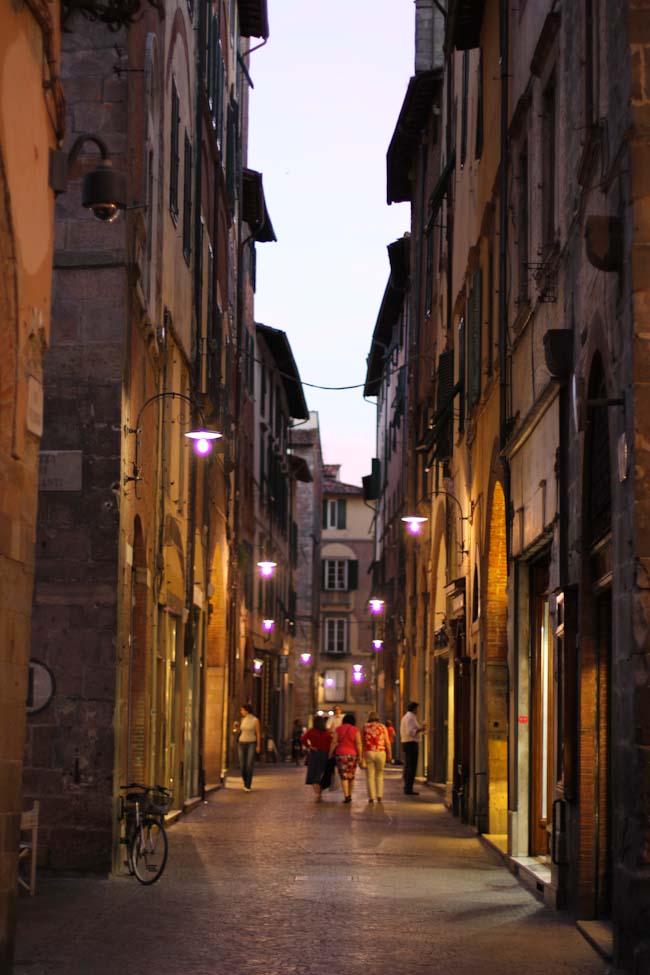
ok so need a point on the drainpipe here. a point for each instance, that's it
(503, 255)
(195, 379)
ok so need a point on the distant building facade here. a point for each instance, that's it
(346, 664)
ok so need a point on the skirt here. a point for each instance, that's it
(347, 766)
(316, 765)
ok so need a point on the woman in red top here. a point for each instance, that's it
(317, 740)
(377, 749)
(348, 748)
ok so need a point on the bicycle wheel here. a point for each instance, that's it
(149, 852)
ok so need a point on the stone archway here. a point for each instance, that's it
(495, 656)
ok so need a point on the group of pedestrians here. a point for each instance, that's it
(339, 744)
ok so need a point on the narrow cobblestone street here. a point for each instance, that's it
(270, 883)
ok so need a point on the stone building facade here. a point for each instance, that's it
(132, 608)
(525, 177)
(29, 56)
(346, 664)
(305, 443)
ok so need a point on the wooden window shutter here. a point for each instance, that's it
(187, 199)
(474, 338)
(444, 417)
(353, 574)
(325, 504)
(323, 566)
(341, 515)
(174, 151)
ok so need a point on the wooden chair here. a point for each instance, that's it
(28, 848)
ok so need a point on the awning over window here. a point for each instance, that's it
(418, 104)
(253, 18)
(464, 19)
(254, 210)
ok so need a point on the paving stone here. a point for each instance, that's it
(271, 883)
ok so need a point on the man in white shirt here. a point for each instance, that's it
(335, 719)
(409, 730)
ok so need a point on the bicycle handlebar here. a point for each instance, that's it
(146, 788)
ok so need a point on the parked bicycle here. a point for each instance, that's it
(143, 809)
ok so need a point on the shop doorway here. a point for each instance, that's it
(541, 713)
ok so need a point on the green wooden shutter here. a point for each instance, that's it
(475, 311)
(341, 519)
(353, 574)
(323, 566)
(324, 514)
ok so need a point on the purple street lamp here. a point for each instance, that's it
(376, 606)
(305, 658)
(377, 644)
(329, 682)
(268, 625)
(257, 665)
(203, 440)
(267, 568)
(414, 523)
(357, 673)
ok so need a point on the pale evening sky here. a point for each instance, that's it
(329, 86)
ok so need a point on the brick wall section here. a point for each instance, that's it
(69, 754)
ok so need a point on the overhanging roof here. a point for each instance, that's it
(464, 20)
(417, 105)
(300, 468)
(278, 345)
(389, 312)
(253, 18)
(254, 210)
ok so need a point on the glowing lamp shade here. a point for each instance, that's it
(329, 682)
(267, 568)
(377, 644)
(305, 658)
(357, 673)
(203, 440)
(268, 625)
(414, 523)
(257, 664)
(376, 606)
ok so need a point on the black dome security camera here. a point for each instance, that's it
(104, 191)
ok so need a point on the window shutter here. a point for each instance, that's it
(187, 199)
(444, 405)
(323, 573)
(462, 357)
(324, 514)
(353, 574)
(340, 521)
(474, 339)
(174, 151)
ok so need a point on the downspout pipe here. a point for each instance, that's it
(197, 365)
(503, 258)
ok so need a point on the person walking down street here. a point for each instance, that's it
(376, 751)
(317, 741)
(409, 730)
(296, 740)
(390, 728)
(348, 748)
(249, 743)
(335, 719)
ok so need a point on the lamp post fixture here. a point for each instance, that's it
(357, 673)
(201, 436)
(376, 605)
(267, 568)
(305, 658)
(414, 523)
(103, 189)
(377, 645)
(268, 626)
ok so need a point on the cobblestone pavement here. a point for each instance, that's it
(271, 883)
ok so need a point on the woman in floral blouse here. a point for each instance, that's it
(377, 751)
